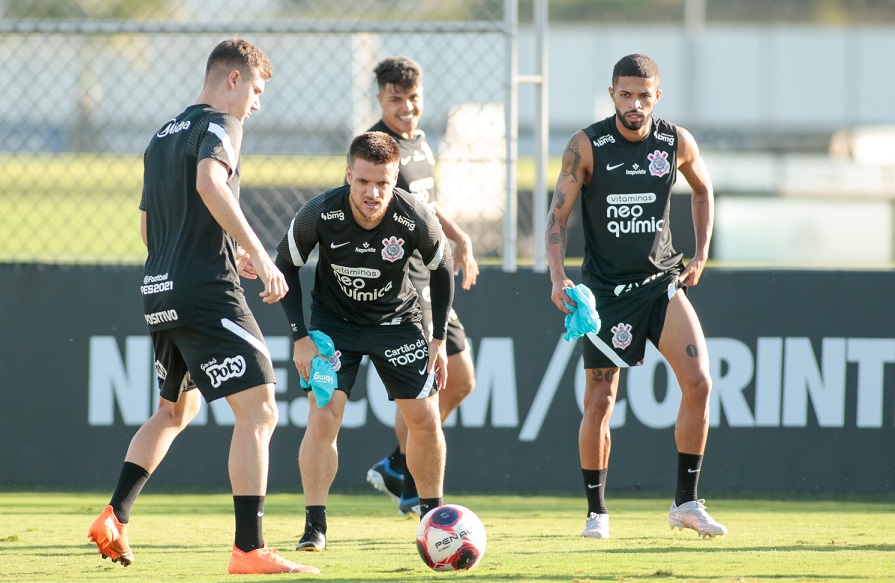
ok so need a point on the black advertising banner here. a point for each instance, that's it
(803, 399)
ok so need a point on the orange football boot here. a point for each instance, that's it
(110, 537)
(264, 561)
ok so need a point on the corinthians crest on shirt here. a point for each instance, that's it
(658, 163)
(392, 249)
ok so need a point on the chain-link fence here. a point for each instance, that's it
(89, 83)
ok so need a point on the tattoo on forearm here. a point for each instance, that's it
(559, 199)
(563, 241)
(692, 351)
(571, 160)
(561, 238)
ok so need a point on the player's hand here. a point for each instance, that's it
(303, 352)
(464, 260)
(559, 296)
(691, 274)
(274, 283)
(438, 362)
(244, 266)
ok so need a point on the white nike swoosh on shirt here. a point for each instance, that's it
(405, 161)
(611, 168)
(422, 371)
(334, 246)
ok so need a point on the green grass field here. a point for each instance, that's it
(82, 208)
(187, 538)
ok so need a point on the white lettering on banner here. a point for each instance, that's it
(792, 379)
(546, 391)
(871, 356)
(732, 356)
(125, 381)
(767, 382)
(802, 378)
(495, 384)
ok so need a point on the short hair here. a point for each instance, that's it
(237, 53)
(400, 71)
(635, 65)
(376, 147)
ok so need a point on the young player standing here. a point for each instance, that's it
(203, 332)
(623, 168)
(362, 299)
(400, 82)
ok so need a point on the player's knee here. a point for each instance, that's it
(466, 387)
(180, 415)
(697, 388)
(598, 405)
(424, 425)
(266, 416)
(189, 412)
(324, 419)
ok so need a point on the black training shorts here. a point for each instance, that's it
(221, 357)
(399, 352)
(627, 322)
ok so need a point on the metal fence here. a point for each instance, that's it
(88, 89)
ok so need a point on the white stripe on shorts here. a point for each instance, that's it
(606, 350)
(247, 336)
(427, 388)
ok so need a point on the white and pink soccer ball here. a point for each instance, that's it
(451, 538)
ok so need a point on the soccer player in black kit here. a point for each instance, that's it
(204, 335)
(362, 299)
(623, 167)
(400, 83)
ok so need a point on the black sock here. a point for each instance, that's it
(427, 504)
(689, 466)
(395, 461)
(409, 490)
(130, 484)
(316, 516)
(248, 511)
(595, 488)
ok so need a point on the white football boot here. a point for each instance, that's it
(693, 515)
(596, 526)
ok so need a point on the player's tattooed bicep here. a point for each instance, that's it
(692, 351)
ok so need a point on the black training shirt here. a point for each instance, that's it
(361, 276)
(190, 273)
(626, 205)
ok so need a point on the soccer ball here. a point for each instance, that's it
(450, 538)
